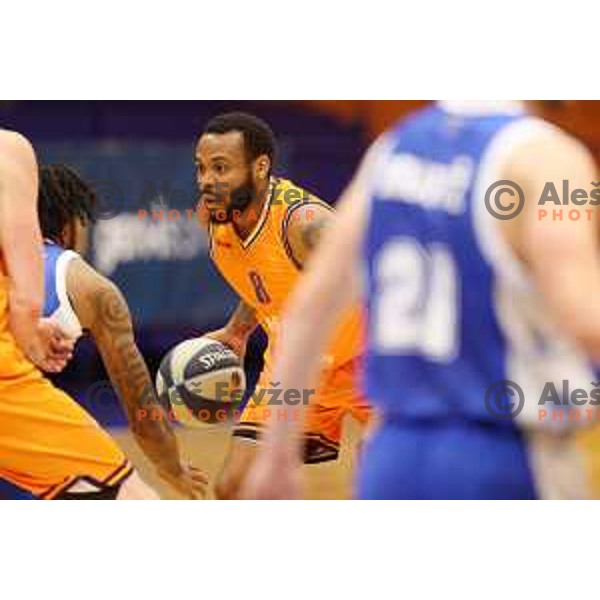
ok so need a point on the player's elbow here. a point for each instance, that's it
(569, 290)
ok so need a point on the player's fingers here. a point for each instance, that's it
(198, 475)
(58, 357)
(199, 483)
(61, 346)
(200, 488)
(48, 364)
(188, 488)
(59, 361)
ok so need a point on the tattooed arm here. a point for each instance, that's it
(238, 330)
(305, 225)
(103, 311)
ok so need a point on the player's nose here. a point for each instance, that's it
(206, 181)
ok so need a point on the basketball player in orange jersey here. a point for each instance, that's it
(262, 230)
(49, 445)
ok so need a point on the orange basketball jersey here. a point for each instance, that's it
(48, 444)
(263, 272)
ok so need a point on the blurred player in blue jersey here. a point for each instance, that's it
(466, 289)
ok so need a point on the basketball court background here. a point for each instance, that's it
(206, 448)
(140, 154)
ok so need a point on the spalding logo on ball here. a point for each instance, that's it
(201, 381)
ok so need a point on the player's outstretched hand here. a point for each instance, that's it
(52, 349)
(191, 482)
(272, 478)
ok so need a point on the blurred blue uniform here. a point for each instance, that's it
(436, 337)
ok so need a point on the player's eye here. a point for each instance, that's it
(220, 168)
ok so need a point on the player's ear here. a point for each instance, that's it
(262, 167)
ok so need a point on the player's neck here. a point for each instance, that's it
(251, 214)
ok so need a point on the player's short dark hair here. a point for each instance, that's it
(63, 196)
(259, 138)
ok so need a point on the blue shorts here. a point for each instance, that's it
(445, 459)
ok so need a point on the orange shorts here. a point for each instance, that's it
(51, 447)
(336, 396)
(588, 444)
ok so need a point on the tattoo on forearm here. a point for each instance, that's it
(126, 366)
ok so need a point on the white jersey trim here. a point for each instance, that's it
(65, 314)
(481, 107)
(493, 246)
(537, 351)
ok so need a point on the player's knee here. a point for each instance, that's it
(134, 488)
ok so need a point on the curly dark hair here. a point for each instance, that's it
(62, 197)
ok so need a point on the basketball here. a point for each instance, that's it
(200, 381)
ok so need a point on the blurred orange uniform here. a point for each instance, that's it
(263, 272)
(48, 444)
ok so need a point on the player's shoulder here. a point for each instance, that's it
(538, 144)
(289, 197)
(302, 215)
(541, 132)
(14, 140)
(15, 149)
(86, 284)
(94, 296)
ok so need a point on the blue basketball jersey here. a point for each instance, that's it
(451, 311)
(56, 299)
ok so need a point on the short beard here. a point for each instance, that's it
(239, 198)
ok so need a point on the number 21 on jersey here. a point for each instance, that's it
(416, 300)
